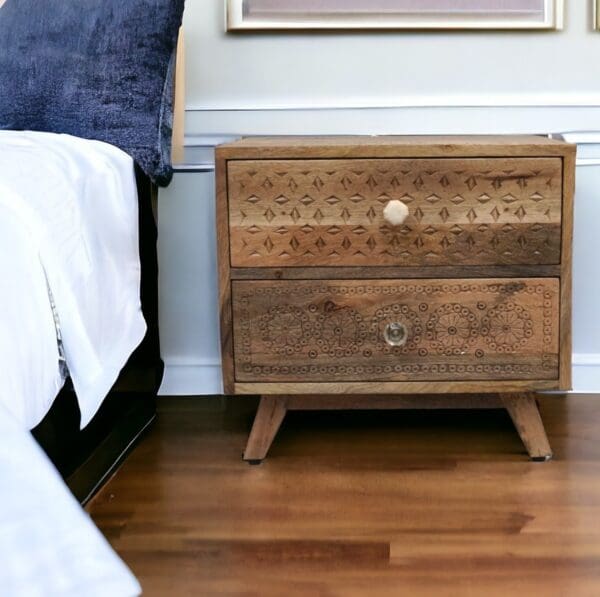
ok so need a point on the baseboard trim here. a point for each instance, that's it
(199, 379)
(205, 378)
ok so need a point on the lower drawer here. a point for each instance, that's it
(396, 330)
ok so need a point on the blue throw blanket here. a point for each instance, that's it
(98, 69)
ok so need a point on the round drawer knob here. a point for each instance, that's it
(395, 334)
(395, 212)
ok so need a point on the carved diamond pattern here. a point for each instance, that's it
(471, 215)
(418, 182)
(471, 183)
(318, 183)
(372, 182)
(460, 211)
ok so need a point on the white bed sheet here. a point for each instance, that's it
(68, 218)
(49, 547)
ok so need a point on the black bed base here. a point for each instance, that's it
(87, 458)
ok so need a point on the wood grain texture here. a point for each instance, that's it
(226, 326)
(566, 278)
(330, 212)
(269, 416)
(394, 387)
(523, 411)
(461, 329)
(382, 146)
(177, 141)
(359, 504)
(380, 402)
(391, 272)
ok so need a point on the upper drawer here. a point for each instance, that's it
(467, 211)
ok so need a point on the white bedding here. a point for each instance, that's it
(49, 547)
(68, 221)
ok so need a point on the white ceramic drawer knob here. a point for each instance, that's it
(395, 212)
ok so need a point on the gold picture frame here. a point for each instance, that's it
(245, 15)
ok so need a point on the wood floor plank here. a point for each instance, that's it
(359, 504)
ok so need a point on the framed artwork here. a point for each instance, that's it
(394, 14)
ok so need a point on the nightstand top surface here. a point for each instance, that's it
(396, 146)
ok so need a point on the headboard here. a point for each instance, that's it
(179, 101)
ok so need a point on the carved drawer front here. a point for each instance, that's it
(400, 330)
(469, 211)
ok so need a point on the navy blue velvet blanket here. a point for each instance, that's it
(98, 69)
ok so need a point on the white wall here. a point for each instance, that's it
(333, 69)
(370, 84)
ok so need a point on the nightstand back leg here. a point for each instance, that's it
(271, 412)
(524, 412)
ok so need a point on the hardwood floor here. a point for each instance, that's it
(362, 503)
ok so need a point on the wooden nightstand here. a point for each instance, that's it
(390, 272)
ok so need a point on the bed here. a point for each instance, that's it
(87, 97)
(72, 272)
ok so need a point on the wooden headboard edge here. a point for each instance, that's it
(179, 101)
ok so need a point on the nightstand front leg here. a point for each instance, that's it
(524, 412)
(271, 412)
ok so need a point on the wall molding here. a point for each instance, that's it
(473, 118)
(484, 100)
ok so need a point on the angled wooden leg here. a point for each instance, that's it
(271, 412)
(524, 412)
